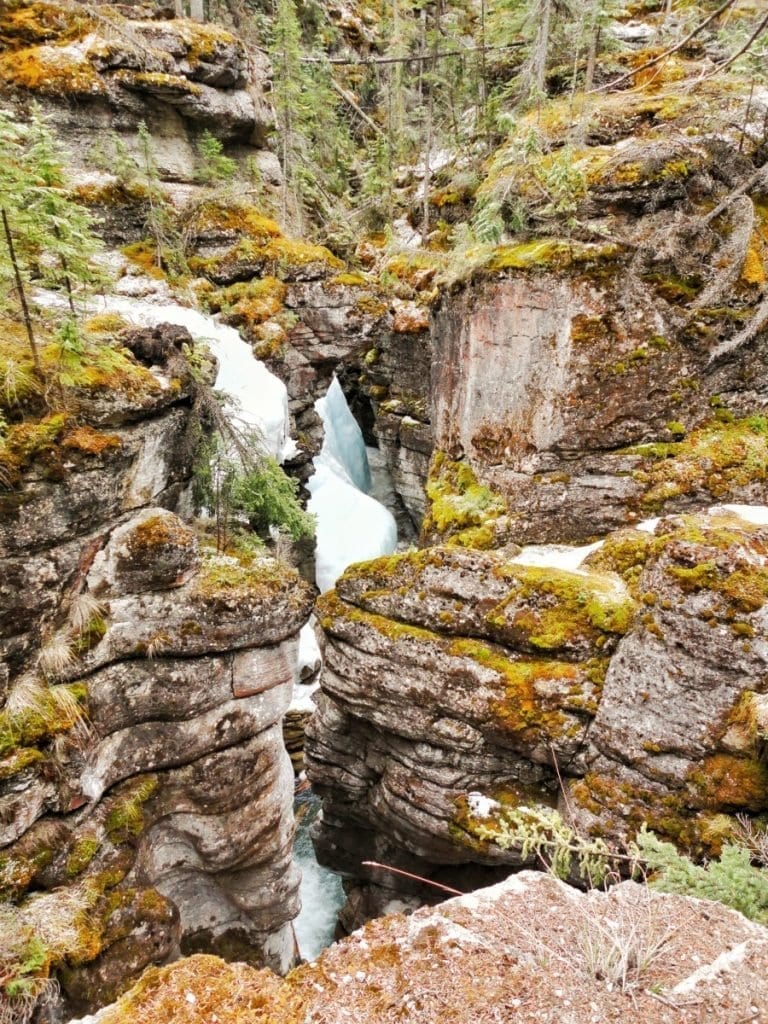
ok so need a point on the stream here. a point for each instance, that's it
(352, 526)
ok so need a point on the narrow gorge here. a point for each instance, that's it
(383, 499)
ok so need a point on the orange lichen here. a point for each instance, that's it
(51, 71)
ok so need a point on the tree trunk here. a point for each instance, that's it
(22, 293)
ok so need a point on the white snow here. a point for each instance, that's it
(555, 556)
(309, 657)
(256, 398)
(481, 806)
(351, 526)
(755, 514)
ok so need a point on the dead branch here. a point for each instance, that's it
(753, 328)
(672, 49)
(412, 58)
(730, 257)
(762, 24)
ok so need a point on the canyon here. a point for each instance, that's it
(573, 625)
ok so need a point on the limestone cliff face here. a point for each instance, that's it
(145, 790)
(638, 685)
(570, 376)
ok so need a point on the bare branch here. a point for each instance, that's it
(667, 53)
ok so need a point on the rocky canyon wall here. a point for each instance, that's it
(145, 793)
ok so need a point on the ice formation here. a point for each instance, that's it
(351, 526)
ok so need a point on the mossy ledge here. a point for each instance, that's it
(718, 460)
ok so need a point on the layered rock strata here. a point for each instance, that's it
(145, 791)
(637, 684)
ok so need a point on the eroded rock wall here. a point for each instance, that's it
(144, 786)
(631, 691)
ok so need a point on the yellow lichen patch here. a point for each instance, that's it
(349, 280)
(532, 708)
(549, 253)
(286, 253)
(203, 39)
(753, 271)
(240, 218)
(88, 441)
(23, 23)
(25, 442)
(157, 81)
(51, 71)
(145, 255)
(727, 781)
(105, 324)
(717, 459)
(248, 303)
(458, 502)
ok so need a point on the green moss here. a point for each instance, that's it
(44, 712)
(125, 818)
(349, 280)
(222, 577)
(552, 608)
(82, 853)
(18, 760)
(718, 459)
(88, 637)
(459, 503)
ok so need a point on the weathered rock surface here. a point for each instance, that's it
(529, 949)
(643, 696)
(108, 72)
(144, 786)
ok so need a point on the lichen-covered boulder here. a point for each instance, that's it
(500, 667)
(629, 692)
(678, 738)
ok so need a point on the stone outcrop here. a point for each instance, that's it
(104, 72)
(638, 684)
(529, 949)
(145, 791)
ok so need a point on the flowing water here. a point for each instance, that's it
(321, 892)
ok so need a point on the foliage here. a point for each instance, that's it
(48, 238)
(161, 221)
(266, 496)
(732, 879)
(216, 167)
(236, 482)
(542, 832)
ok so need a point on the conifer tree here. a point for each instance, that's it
(48, 235)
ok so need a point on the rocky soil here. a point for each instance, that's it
(529, 949)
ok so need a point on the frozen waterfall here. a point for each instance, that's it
(255, 397)
(351, 526)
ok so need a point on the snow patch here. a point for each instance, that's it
(481, 806)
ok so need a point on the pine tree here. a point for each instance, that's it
(15, 183)
(48, 235)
